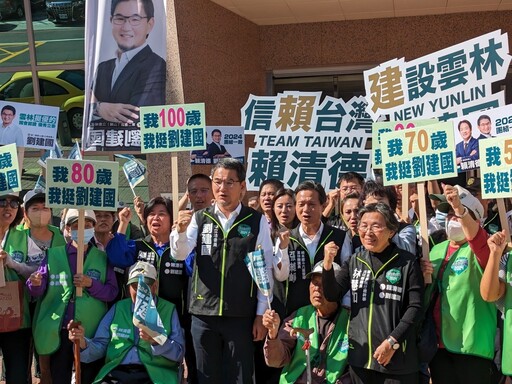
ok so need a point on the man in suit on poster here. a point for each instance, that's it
(136, 76)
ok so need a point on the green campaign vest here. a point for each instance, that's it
(160, 369)
(468, 323)
(337, 348)
(506, 353)
(57, 239)
(16, 246)
(50, 310)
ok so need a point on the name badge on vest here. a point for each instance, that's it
(150, 257)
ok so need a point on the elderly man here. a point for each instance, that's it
(328, 341)
(132, 355)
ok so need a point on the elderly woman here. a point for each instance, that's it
(387, 288)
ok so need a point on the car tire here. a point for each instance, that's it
(75, 118)
(20, 12)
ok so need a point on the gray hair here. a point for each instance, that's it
(389, 216)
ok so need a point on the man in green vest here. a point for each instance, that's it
(496, 286)
(131, 355)
(328, 342)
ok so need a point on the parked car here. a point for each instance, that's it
(11, 9)
(63, 89)
(62, 11)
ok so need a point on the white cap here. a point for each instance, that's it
(72, 216)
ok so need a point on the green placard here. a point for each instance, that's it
(496, 167)
(10, 180)
(172, 128)
(82, 184)
(414, 155)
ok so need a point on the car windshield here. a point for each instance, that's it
(75, 77)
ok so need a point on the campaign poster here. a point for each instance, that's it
(125, 43)
(446, 84)
(221, 142)
(300, 136)
(28, 125)
(469, 130)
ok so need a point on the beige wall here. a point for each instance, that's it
(372, 41)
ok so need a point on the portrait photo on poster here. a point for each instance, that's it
(126, 47)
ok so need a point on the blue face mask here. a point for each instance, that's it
(441, 218)
(88, 235)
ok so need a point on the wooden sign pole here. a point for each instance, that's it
(425, 251)
(81, 246)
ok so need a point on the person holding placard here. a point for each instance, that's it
(54, 283)
(15, 332)
(465, 324)
(132, 355)
(386, 288)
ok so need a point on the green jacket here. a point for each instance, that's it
(337, 348)
(50, 310)
(468, 323)
(16, 246)
(160, 369)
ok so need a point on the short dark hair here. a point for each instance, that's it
(462, 122)
(483, 117)
(149, 8)
(350, 196)
(389, 215)
(351, 176)
(231, 164)
(159, 200)
(277, 184)
(310, 185)
(35, 200)
(372, 188)
(199, 176)
(9, 108)
(216, 130)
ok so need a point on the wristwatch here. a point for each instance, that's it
(394, 344)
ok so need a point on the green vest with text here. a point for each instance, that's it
(160, 369)
(50, 310)
(468, 323)
(337, 348)
(16, 246)
(506, 354)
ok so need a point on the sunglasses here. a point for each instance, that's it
(12, 203)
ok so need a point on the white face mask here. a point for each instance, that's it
(88, 235)
(454, 231)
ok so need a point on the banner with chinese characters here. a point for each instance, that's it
(126, 50)
(421, 154)
(29, 125)
(389, 126)
(10, 180)
(446, 84)
(300, 137)
(469, 130)
(496, 167)
(82, 184)
(173, 128)
(224, 142)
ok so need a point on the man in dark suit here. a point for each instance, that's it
(484, 126)
(215, 149)
(136, 76)
(467, 149)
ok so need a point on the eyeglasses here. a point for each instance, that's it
(374, 228)
(227, 183)
(12, 203)
(133, 20)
